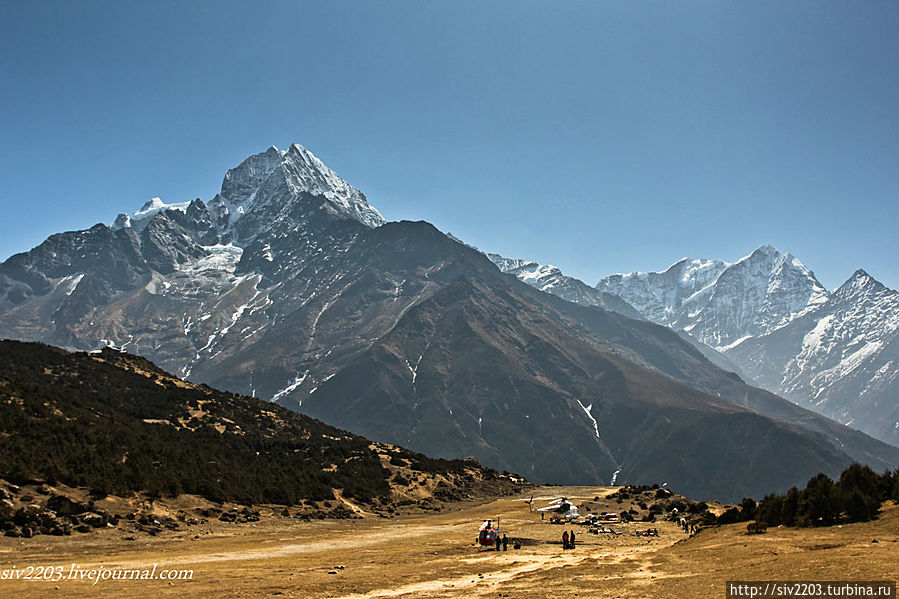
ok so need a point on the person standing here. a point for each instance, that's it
(505, 542)
(498, 541)
(565, 540)
(571, 540)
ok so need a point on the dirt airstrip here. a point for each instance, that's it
(434, 555)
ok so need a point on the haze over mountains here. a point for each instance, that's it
(289, 286)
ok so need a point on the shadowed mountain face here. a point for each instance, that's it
(401, 333)
(491, 367)
(476, 369)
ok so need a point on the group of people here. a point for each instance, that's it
(502, 541)
(689, 527)
(568, 540)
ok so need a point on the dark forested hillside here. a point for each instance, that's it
(116, 423)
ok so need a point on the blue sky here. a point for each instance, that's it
(598, 136)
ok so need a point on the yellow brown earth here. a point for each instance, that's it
(434, 555)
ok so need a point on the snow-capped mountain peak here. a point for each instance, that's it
(720, 302)
(768, 289)
(151, 208)
(266, 184)
(508, 264)
(663, 296)
(847, 358)
(860, 285)
(241, 182)
(306, 173)
(833, 352)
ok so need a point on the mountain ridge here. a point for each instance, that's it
(779, 348)
(551, 280)
(284, 301)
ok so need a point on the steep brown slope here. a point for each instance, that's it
(476, 369)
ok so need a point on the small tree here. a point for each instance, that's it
(731, 515)
(862, 478)
(789, 507)
(889, 485)
(748, 508)
(770, 509)
(859, 507)
(819, 503)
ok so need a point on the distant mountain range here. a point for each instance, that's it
(551, 280)
(719, 303)
(841, 359)
(772, 322)
(289, 287)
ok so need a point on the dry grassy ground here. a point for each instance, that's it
(435, 556)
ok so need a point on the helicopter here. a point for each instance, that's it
(563, 507)
(487, 534)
